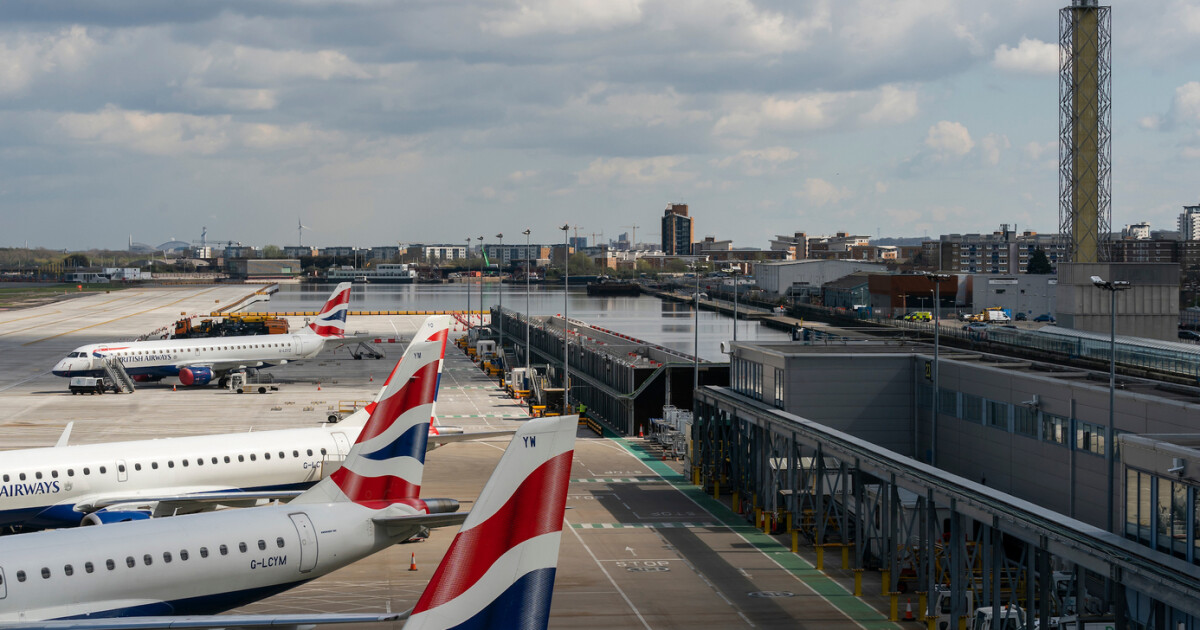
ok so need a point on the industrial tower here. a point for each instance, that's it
(1085, 130)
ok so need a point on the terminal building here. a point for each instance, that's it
(1002, 477)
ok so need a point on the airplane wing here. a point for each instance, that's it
(199, 621)
(174, 502)
(446, 438)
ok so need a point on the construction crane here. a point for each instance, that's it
(632, 235)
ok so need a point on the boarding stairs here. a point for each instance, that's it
(364, 350)
(114, 370)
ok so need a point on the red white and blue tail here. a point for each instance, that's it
(499, 571)
(331, 321)
(385, 465)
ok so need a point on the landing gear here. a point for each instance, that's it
(223, 383)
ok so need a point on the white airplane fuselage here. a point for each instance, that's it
(194, 564)
(166, 357)
(59, 486)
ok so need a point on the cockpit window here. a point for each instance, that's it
(76, 355)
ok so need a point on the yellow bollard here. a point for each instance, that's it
(789, 523)
(858, 582)
(766, 524)
(922, 604)
(737, 503)
(695, 475)
(931, 622)
(845, 556)
(894, 610)
(758, 514)
(795, 541)
(754, 500)
(962, 622)
(885, 581)
(716, 489)
(820, 557)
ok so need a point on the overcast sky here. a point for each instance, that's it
(434, 120)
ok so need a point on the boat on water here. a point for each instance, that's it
(610, 286)
(385, 273)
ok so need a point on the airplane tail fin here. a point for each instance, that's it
(386, 463)
(499, 571)
(331, 321)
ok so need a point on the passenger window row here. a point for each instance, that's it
(53, 474)
(70, 472)
(148, 559)
(128, 353)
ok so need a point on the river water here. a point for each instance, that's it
(645, 317)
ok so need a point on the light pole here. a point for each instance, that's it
(500, 307)
(696, 331)
(526, 233)
(735, 271)
(937, 279)
(566, 322)
(481, 258)
(467, 285)
(1112, 286)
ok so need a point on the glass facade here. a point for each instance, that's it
(1163, 513)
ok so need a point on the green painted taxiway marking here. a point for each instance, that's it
(644, 525)
(833, 592)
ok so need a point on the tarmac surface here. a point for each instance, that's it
(642, 547)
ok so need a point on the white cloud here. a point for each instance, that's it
(949, 139)
(750, 115)
(564, 17)
(23, 57)
(881, 187)
(1031, 56)
(894, 106)
(820, 192)
(265, 66)
(755, 162)
(1036, 151)
(1186, 106)
(991, 146)
(236, 99)
(148, 132)
(174, 134)
(633, 171)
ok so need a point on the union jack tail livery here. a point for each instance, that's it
(385, 465)
(499, 571)
(331, 321)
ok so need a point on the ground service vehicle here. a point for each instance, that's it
(919, 316)
(991, 315)
(88, 385)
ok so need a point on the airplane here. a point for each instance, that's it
(93, 484)
(201, 360)
(168, 573)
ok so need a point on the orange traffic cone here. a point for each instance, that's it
(372, 379)
(318, 386)
(639, 433)
(412, 565)
(908, 613)
(172, 388)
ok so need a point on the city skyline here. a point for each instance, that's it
(898, 119)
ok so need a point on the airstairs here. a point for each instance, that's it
(114, 370)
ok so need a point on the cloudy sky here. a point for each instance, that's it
(431, 120)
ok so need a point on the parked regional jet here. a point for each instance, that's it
(65, 486)
(201, 360)
(165, 572)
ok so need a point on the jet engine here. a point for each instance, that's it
(116, 516)
(195, 375)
